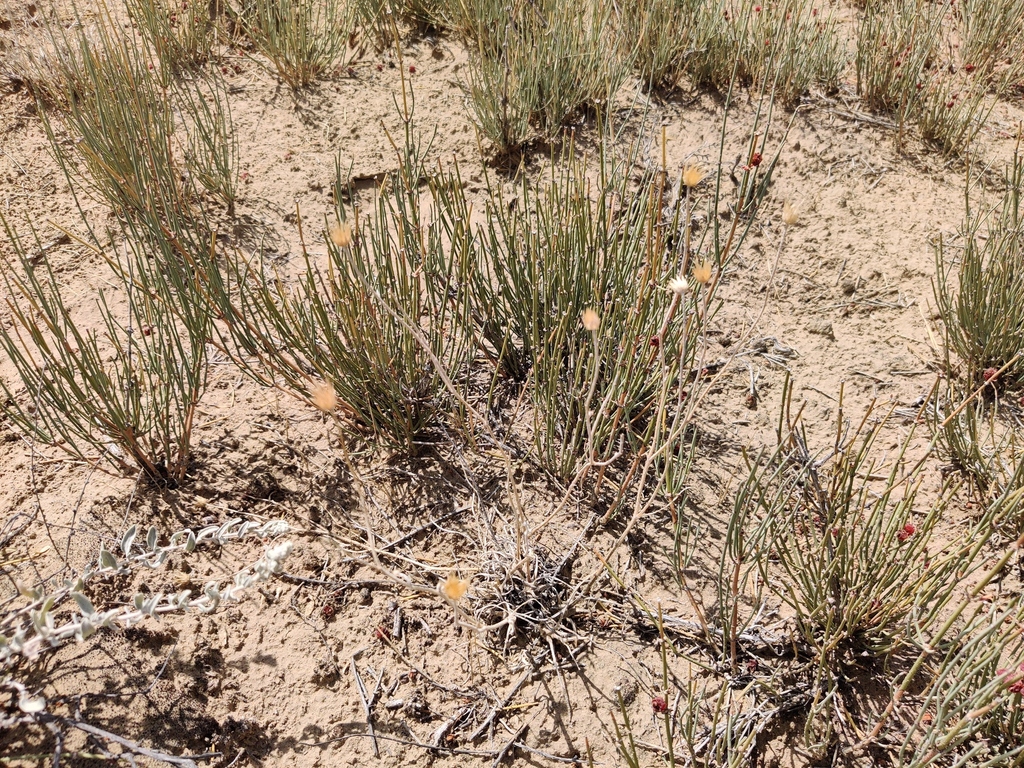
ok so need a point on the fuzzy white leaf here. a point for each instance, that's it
(84, 604)
(86, 629)
(151, 537)
(107, 560)
(128, 539)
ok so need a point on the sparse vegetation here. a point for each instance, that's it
(993, 33)
(302, 40)
(982, 311)
(124, 394)
(182, 33)
(535, 423)
(540, 65)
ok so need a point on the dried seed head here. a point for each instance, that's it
(678, 285)
(454, 588)
(591, 320)
(702, 272)
(693, 175)
(789, 215)
(323, 397)
(341, 234)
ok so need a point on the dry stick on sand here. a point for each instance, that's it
(44, 718)
(368, 702)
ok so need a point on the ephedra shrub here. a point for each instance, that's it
(540, 65)
(367, 329)
(982, 309)
(302, 40)
(596, 292)
(907, 68)
(979, 290)
(125, 392)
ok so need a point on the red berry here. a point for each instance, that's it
(969, 67)
(989, 373)
(755, 160)
(412, 69)
(659, 705)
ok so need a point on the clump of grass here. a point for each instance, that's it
(121, 125)
(982, 311)
(793, 45)
(144, 148)
(209, 148)
(661, 35)
(573, 290)
(355, 323)
(993, 40)
(125, 395)
(420, 16)
(784, 48)
(302, 39)
(597, 293)
(539, 65)
(971, 709)
(182, 33)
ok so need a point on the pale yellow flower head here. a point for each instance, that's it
(341, 234)
(454, 588)
(693, 175)
(323, 397)
(789, 214)
(679, 286)
(702, 272)
(591, 320)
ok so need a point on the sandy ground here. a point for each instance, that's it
(275, 679)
